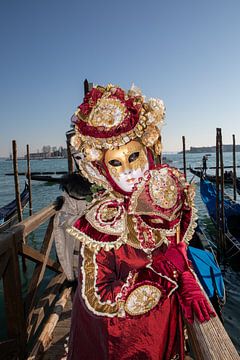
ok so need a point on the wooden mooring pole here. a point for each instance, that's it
(69, 154)
(17, 192)
(29, 181)
(217, 194)
(223, 245)
(16, 182)
(184, 157)
(234, 170)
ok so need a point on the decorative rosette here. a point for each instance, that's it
(108, 216)
(159, 193)
(142, 299)
(109, 117)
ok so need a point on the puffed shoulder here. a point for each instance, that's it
(103, 225)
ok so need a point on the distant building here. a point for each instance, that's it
(61, 153)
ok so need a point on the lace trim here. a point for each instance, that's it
(93, 175)
(89, 290)
(187, 237)
(96, 245)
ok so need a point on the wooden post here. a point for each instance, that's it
(15, 169)
(184, 157)
(234, 170)
(17, 192)
(86, 87)
(70, 159)
(16, 324)
(217, 192)
(29, 181)
(223, 245)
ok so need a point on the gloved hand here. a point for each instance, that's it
(176, 256)
(192, 299)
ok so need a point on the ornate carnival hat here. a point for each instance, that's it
(110, 117)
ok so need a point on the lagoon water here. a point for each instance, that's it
(44, 193)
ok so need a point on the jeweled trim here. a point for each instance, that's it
(95, 244)
(91, 298)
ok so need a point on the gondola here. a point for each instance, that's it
(202, 256)
(232, 220)
(227, 176)
(48, 178)
(8, 213)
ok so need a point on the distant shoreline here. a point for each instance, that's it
(41, 159)
(210, 149)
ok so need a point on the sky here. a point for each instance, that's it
(186, 52)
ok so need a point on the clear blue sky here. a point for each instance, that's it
(185, 52)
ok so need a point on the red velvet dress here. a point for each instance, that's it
(128, 247)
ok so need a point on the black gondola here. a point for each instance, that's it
(232, 220)
(228, 179)
(8, 213)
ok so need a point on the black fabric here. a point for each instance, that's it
(75, 185)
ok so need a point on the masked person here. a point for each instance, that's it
(135, 281)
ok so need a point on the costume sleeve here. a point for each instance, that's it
(110, 276)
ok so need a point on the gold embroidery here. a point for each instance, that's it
(108, 216)
(142, 299)
(108, 113)
(163, 189)
(162, 195)
(89, 290)
(159, 235)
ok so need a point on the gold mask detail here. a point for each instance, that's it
(126, 158)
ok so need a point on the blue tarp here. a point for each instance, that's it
(207, 271)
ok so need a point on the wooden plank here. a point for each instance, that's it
(37, 314)
(16, 325)
(46, 336)
(210, 340)
(26, 226)
(40, 267)
(36, 256)
(33, 222)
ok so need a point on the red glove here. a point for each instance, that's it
(192, 299)
(177, 255)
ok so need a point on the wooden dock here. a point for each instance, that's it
(57, 348)
(60, 336)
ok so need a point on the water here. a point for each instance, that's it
(44, 194)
